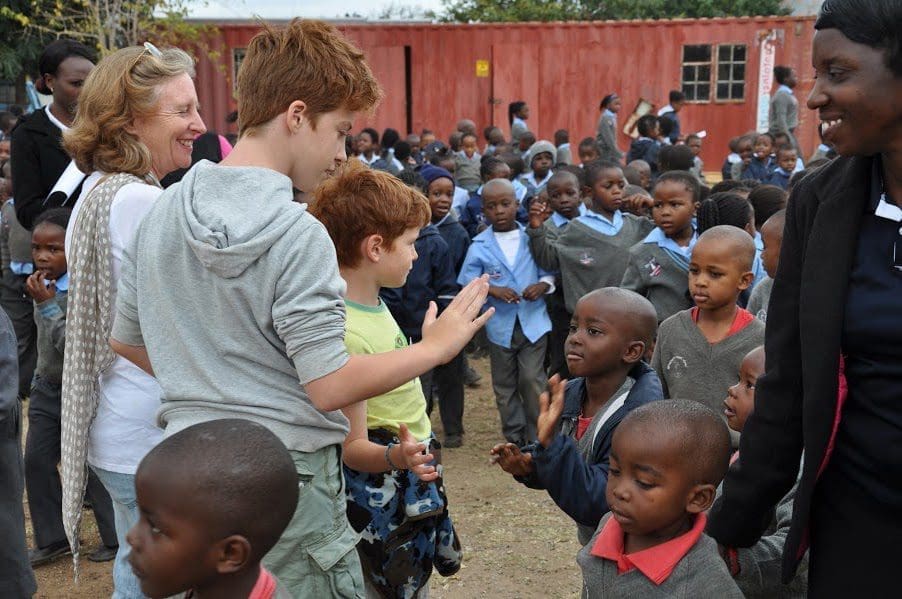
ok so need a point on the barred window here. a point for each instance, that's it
(721, 67)
(237, 58)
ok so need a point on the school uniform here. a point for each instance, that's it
(690, 367)
(780, 178)
(42, 444)
(473, 219)
(760, 298)
(518, 128)
(518, 332)
(606, 137)
(592, 252)
(832, 323)
(557, 308)
(658, 268)
(783, 116)
(15, 254)
(686, 566)
(467, 173)
(574, 468)
(534, 185)
(16, 577)
(758, 169)
(645, 148)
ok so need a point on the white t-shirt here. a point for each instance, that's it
(125, 427)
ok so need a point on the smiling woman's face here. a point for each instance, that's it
(857, 96)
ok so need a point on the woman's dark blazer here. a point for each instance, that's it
(38, 160)
(796, 400)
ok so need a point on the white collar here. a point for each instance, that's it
(55, 120)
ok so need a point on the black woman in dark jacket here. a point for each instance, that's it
(833, 385)
(38, 158)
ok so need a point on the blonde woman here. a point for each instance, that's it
(136, 123)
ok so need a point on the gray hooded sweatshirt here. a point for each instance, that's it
(234, 290)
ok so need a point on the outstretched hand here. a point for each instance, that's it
(538, 214)
(447, 334)
(551, 406)
(417, 459)
(511, 459)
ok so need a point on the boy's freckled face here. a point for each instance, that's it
(171, 552)
(673, 208)
(500, 210)
(598, 338)
(715, 276)
(787, 160)
(441, 193)
(772, 235)
(563, 194)
(396, 262)
(740, 401)
(48, 250)
(649, 481)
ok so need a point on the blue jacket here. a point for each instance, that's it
(485, 256)
(471, 216)
(430, 279)
(645, 149)
(457, 239)
(780, 178)
(759, 170)
(576, 487)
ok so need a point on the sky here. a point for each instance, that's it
(285, 9)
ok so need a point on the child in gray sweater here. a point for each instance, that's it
(658, 266)
(758, 569)
(666, 461)
(593, 251)
(699, 350)
(772, 236)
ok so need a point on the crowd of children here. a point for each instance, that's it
(625, 298)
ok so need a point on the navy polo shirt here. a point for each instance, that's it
(868, 449)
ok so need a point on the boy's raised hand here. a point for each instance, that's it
(551, 406)
(37, 288)
(538, 214)
(416, 458)
(511, 459)
(450, 332)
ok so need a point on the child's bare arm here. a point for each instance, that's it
(363, 455)
(365, 376)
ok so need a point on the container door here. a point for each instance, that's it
(515, 76)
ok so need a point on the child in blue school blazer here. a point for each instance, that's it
(518, 332)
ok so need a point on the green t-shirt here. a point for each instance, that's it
(372, 330)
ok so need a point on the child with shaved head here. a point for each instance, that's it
(213, 499)
(666, 461)
(699, 350)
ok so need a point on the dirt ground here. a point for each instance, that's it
(517, 544)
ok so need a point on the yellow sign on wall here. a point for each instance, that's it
(482, 68)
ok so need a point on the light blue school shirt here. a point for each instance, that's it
(485, 256)
(601, 224)
(658, 237)
(560, 220)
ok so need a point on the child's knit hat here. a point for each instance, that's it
(541, 146)
(431, 172)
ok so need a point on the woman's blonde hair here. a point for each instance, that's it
(123, 86)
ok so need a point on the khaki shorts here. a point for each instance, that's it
(316, 556)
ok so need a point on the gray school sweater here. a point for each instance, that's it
(234, 289)
(652, 272)
(50, 318)
(761, 565)
(691, 368)
(701, 574)
(759, 299)
(587, 259)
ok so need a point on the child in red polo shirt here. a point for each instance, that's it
(699, 350)
(666, 461)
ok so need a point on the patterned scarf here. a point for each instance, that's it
(88, 324)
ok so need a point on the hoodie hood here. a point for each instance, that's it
(234, 215)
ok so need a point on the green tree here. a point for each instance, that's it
(26, 26)
(487, 11)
